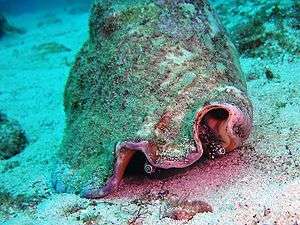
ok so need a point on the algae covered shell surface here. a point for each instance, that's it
(158, 77)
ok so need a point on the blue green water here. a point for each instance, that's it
(37, 52)
(18, 6)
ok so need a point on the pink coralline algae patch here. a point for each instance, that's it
(200, 179)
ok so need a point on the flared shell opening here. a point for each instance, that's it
(215, 125)
(220, 126)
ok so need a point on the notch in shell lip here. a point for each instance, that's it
(232, 128)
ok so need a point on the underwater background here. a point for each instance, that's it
(258, 183)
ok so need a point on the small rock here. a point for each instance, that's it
(5, 27)
(12, 137)
(184, 209)
(270, 75)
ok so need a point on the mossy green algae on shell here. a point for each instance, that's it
(143, 74)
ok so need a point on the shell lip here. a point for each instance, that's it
(236, 121)
(234, 129)
(150, 150)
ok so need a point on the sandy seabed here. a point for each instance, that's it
(256, 184)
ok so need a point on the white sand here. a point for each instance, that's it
(258, 184)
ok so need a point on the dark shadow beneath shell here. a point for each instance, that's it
(137, 169)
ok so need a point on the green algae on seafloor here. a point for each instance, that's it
(50, 48)
(10, 204)
(270, 29)
(7, 28)
(140, 62)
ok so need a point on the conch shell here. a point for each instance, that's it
(158, 77)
